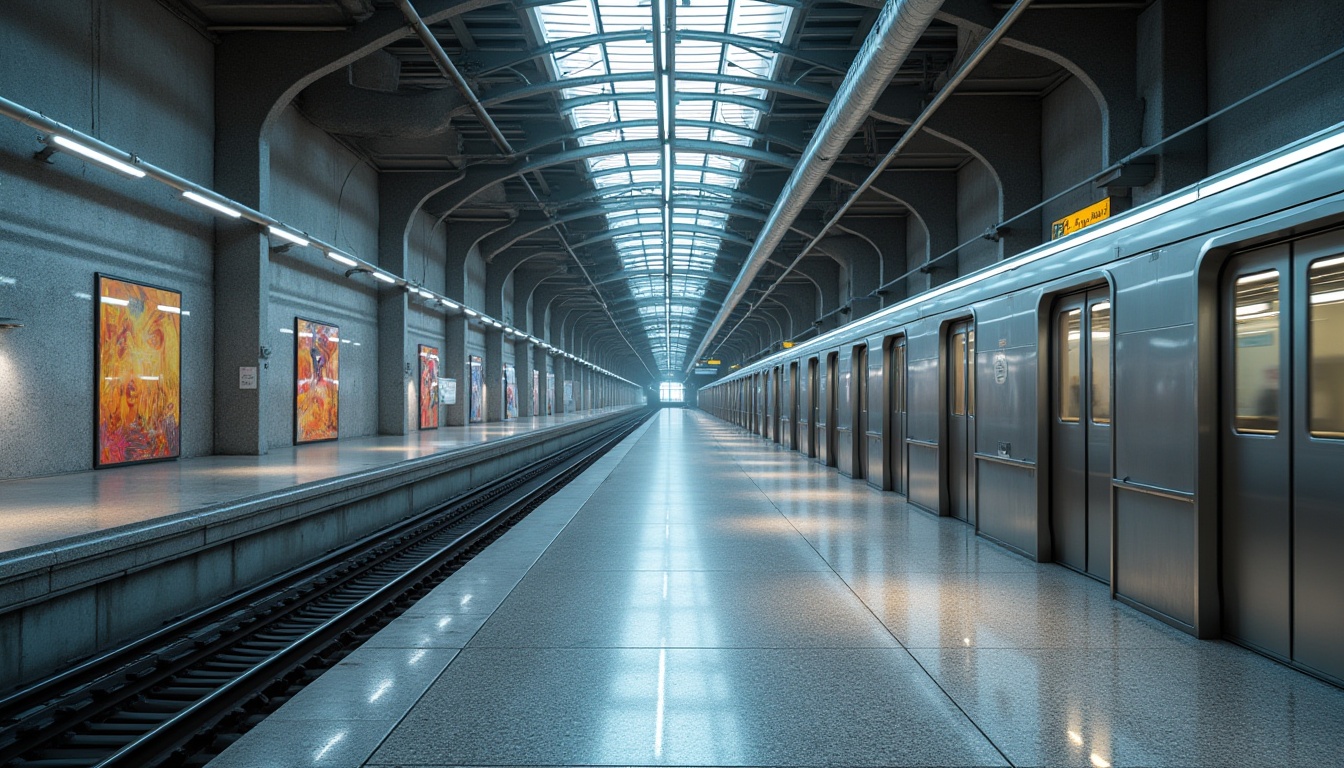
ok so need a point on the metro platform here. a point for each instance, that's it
(43, 511)
(702, 597)
(92, 558)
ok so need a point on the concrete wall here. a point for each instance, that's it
(1071, 149)
(977, 210)
(133, 75)
(324, 189)
(1251, 44)
(428, 253)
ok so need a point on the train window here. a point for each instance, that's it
(958, 363)
(1070, 364)
(1101, 362)
(1257, 353)
(1326, 286)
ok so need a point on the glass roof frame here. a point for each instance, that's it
(628, 76)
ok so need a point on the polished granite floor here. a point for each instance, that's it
(43, 510)
(702, 597)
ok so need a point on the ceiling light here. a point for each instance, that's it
(212, 205)
(99, 157)
(386, 278)
(285, 234)
(341, 258)
(449, 304)
(469, 312)
(425, 294)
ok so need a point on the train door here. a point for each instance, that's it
(1283, 438)
(791, 429)
(961, 420)
(777, 405)
(1080, 455)
(766, 404)
(896, 402)
(860, 374)
(843, 423)
(810, 400)
(827, 411)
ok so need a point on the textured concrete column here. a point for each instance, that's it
(887, 236)
(242, 270)
(400, 196)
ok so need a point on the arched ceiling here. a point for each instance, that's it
(656, 133)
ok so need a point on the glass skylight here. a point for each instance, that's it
(633, 82)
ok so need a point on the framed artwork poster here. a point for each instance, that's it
(138, 349)
(476, 406)
(536, 396)
(429, 387)
(317, 381)
(510, 392)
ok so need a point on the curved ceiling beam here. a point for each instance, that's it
(525, 227)
(485, 63)
(482, 177)
(657, 228)
(790, 135)
(729, 194)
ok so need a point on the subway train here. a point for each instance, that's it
(1156, 402)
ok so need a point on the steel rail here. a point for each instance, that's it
(204, 637)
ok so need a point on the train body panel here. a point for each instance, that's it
(1078, 403)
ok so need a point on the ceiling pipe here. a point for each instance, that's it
(897, 31)
(978, 55)
(454, 75)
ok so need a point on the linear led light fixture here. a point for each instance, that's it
(386, 278)
(424, 294)
(341, 258)
(449, 304)
(285, 234)
(470, 312)
(96, 156)
(200, 199)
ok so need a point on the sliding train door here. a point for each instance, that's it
(896, 402)
(777, 405)
(859, 370)
(961, 421)
(827, 411)
(1283, 452)
(791, 410)
(1080, 439)
(807, 430)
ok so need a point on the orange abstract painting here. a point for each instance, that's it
(429, 387)
(139, 373)
(317, 383)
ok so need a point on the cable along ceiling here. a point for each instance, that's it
(676, 79)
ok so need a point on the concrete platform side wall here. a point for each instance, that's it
(321, 187)
(1070, 150)
(133, 75)
(68, 605)
(1250, 45)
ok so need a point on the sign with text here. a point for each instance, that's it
(1081, 219)
(706, 371)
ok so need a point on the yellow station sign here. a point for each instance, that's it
(1081, 219)
(788, 345)
(713, 362)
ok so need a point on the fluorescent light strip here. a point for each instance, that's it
(212, 205)
(285, 234)
(469, 312)
(425, 294)
(449, 304)
(386, 278)
(98, 157)
(341, 258)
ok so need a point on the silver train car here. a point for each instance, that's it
(1156, 402)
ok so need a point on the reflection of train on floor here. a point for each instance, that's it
(1156, 401)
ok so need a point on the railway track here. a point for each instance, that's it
(183, 693)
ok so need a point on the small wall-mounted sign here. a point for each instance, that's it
(1081, 219)
(1000, 368)
(448, 391)
(247, 377)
